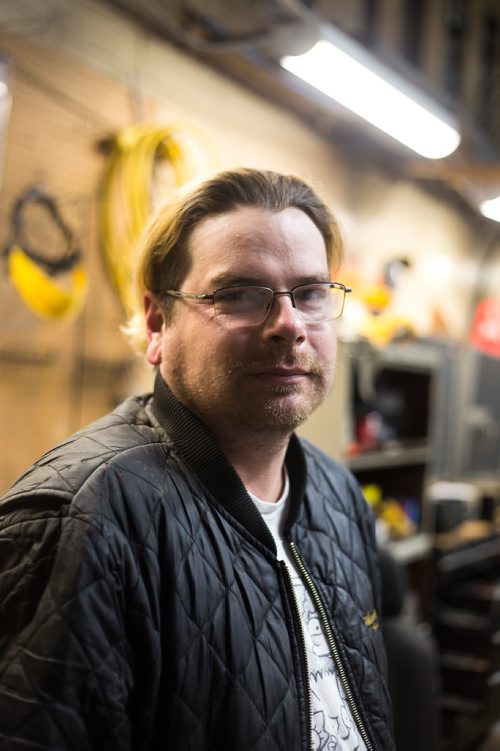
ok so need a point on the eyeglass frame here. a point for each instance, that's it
(289, 293)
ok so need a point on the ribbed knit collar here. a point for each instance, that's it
(199, 451)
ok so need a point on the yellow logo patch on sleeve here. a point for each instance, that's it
(370, 620)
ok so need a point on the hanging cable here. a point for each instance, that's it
(51, 287)
(140, 154)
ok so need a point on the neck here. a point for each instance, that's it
(258, 460)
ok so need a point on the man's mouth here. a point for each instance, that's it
(290, 370)
(282, 375)
(285, 372)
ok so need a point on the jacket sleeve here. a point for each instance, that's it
(69, 629)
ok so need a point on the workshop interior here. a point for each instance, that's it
(391, 109)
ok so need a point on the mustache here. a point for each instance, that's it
(256, 365)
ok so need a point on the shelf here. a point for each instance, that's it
(397, 456)
(411, 548)
(461, 706)
(480, 555)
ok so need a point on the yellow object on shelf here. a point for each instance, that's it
(384, 328)
(397, 521)
(389, 510)
(372, 493)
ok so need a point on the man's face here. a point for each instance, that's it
(266, 377)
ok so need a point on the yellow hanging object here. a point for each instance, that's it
(140, 154)
(41, 292)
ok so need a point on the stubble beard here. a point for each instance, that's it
(278, 414)
(281, 414)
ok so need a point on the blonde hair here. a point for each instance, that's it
(163, 260)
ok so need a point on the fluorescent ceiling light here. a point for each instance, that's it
(491, 209)
(384, 100)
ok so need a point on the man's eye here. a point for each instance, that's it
(311, 294)
(233, 295)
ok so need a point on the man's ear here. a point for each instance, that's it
(155, 320)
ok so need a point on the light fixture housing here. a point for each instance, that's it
(352, 76)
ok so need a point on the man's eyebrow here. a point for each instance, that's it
(317, 278)
(230, 279)
(233, 280)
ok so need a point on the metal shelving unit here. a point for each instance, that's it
(406, 389)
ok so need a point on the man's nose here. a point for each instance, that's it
(283, 320)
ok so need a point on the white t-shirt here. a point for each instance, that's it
(333, 727)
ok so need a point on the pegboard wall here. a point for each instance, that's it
(58, 376)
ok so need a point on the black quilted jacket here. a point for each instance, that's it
(142, 605)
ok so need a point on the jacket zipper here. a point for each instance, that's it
(332, 644)
(304, 652)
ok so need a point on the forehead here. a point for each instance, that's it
(249, 238)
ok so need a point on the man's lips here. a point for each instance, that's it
(286, 370)
(293, 368)
(282, 374)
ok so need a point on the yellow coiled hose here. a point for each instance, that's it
(142, 153)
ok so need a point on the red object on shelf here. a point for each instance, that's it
(485, 332)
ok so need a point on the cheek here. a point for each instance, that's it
(217, 353)
(188, 351)
(325, 345)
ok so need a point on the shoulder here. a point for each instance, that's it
(62, 471)
(94, 496)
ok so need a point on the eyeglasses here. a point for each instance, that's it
(246, 304)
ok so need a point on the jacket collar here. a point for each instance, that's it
(199, 451)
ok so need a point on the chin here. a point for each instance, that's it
(282, 415)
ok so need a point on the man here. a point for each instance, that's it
(186, 573)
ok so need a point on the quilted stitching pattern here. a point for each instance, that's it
(349, 584)
(171, 622)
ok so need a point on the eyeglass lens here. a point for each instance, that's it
(314, 302)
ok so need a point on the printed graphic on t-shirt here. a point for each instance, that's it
(333, 727)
